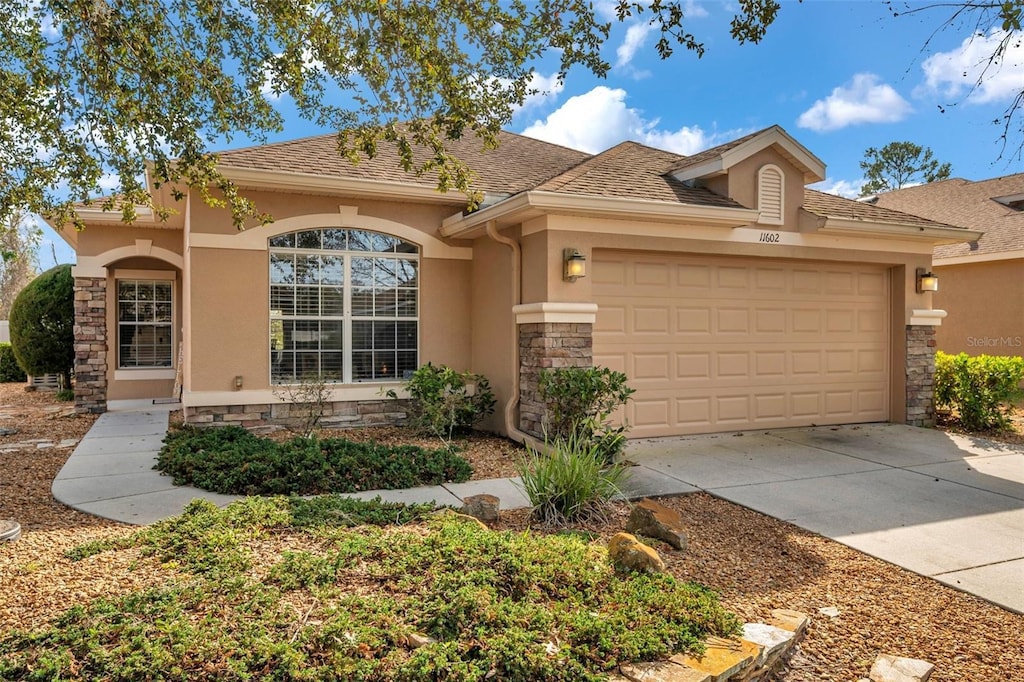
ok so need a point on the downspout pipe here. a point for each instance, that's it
(517, 276)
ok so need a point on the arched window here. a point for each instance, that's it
(343, 306)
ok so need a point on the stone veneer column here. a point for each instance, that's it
(920, 361)
(90, 344)
(551, 335)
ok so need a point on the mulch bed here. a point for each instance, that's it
(757, 563)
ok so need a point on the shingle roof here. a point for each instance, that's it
(519, 163)
(701, 157)
(832, 206)
(632, 170)
(967, 204)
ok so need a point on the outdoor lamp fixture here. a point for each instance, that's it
(575, 265)
(926, 281)
(238, 382)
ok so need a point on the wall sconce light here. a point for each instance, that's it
(238, 382)
(926, 281)
(575, 265)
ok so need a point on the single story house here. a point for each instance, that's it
(731, 295)
(981, 281)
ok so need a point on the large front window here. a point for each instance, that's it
(343, 306)
(144, 316)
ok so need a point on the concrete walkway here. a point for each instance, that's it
(940, 505)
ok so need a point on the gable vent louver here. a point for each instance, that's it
(770, 195)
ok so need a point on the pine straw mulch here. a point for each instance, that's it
(757, 563)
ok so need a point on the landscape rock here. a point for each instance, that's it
(9, 530)
(416, 640)
(484, 507)
(655, 520)
(723, 658)
(662, 671)
(889, 668)
(830, 611)
(626, 551)
(794, 621)
(773, 640)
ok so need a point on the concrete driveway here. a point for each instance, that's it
(942, 505)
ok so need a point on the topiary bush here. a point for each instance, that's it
(10, 372)
(43, 323)
(233, 461)
(579, 402)
(980, 388)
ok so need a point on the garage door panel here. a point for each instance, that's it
(729, 343)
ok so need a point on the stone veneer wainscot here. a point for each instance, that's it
(90, 345)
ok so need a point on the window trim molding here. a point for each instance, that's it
(145, 372)
(258, 238)
(347, 318)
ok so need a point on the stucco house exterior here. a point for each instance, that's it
(981, 282)
(731, 295)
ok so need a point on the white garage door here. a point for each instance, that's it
(722, 344)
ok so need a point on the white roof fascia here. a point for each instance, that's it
(980, 258)
(311, 183)
(935, 235)
(538, 202)
(814, 168)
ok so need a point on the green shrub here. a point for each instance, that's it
(232, 460)
(43, 324)
(10, 372)
(571, 481)
(579, 402)
(341, 604)
(446, 402)
(979, 387)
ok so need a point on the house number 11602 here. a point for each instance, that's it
(770, 237)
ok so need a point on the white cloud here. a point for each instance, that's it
(543, 88)
(844, 188)
(693, 10)
(862, 100)
(636, 35)
(967, 66)
(599, 119)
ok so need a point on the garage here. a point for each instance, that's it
(713, 343)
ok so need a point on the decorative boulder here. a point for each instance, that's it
(655, 520)
(889, 668)
(625, 551)
(483, 507)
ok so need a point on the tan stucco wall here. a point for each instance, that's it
(741, 184)
(280, 205)
(494, 333)
(229, 326)
(985, 306)
(96, 240)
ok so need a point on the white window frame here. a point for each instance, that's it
(144, 372)
(347, 318)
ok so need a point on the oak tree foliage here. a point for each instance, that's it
(100, 95)
(99, 92)
(899, 164)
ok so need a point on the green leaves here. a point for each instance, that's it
(101, 94)
(979, 387)
(446, 402)
(899, 164)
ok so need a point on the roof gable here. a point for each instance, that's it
(718, 160)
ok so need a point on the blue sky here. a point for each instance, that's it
(839, 75)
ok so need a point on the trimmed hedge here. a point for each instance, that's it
(234, 461)
(10, 372)
(979, 387)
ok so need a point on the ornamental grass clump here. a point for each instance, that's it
(570, 481)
